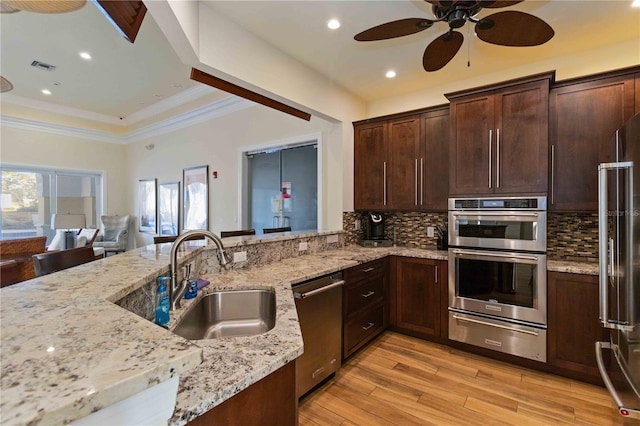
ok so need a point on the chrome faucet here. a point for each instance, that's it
(176, 292)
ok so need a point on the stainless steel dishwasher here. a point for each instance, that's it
(319, 305)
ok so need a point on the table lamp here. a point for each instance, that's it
(68, 222)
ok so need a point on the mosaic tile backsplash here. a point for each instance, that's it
(407, 229)
(570, 236)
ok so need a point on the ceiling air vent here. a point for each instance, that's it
(43, 66)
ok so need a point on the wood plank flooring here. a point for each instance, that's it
(401, 380)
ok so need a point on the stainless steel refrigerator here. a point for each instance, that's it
(619, 229)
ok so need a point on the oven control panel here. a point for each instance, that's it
(493, 203)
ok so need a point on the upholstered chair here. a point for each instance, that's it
(115, 232)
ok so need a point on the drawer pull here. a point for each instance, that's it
(368, 269)
(369, 294)
(504, 327)
(368, 326)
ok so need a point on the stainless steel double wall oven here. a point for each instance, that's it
(498, 274)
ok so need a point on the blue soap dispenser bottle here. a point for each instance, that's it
(162, 301)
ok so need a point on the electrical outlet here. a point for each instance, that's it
(357, 224)
(431, 231)
(240, 256)
(332, 239)
(302, 246)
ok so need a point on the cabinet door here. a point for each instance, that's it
(583, 119)
(434, 164)
(637, 93)
(470, 149)
(370, 161)
(403, 168)
(417, 294)
(574, 326)
(522, 138)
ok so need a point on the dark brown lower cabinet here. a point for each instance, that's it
(270, 401)
(364, 304)
(418, 297)
(574, 324)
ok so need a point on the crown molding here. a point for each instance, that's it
(159, 107)
(60, 109)
(164, 105)
(59, 129)
(214, 110)
(208, 112)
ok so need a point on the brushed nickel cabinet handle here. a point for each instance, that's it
(497, 158)
(553, 172)
(368, 326)
(384, 183)
(368, 294)
(421, 181)
(490, 158)
(416, 189)
(368, 269)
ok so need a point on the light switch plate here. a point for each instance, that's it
(332, 239)
(240, 256)
(302, 246)
(431, 231)
(357, 224)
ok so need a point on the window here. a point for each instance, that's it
(30, 196)
(283, 188)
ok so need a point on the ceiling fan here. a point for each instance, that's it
(506, 28)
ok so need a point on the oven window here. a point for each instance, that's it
(497, 281)
(502, 229)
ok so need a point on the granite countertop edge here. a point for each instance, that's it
(41, 304)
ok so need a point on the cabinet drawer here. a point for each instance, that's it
(364, 271)
(362, 328)
(363, 294)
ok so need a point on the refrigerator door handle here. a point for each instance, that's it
(625, 411)
(606, 250)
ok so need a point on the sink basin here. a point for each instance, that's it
(229, 314)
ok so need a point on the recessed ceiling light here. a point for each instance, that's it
(390, 74)
(85, 55)
(636, 3)
(46, 91)
(333, 24)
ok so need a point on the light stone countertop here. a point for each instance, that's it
(68, 351)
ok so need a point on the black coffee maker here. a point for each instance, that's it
(374, 235)
(375, 226)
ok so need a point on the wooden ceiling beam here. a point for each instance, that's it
(218, 83)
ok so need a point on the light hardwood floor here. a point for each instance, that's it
(400, 380)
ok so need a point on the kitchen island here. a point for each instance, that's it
(68, 350)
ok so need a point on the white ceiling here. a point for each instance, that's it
(299, 29)
(119, 80)
(123, 78)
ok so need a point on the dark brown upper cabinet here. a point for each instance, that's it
(434, 126)
(499, 138)
(584, 115)
(400, 162)
(370, 166)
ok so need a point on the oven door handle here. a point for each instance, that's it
(477, 255)
(504, 327)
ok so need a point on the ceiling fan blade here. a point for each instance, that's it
(441, 50)
(498, 4)
(399, 28)
(512, 28)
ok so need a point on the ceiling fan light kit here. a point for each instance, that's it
(506, 28)
(45, 6)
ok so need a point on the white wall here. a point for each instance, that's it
(218, 144)
(34, 148)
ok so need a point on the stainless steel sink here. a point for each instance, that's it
(229, 314)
